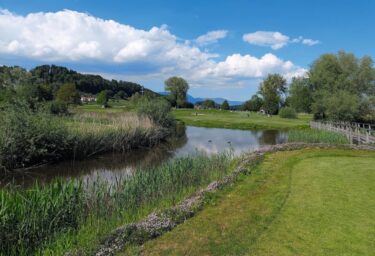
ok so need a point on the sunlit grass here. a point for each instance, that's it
(239, 119)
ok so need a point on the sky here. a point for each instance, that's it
(222, 48)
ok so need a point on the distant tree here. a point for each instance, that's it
(225, 105)
(271, 89)
(120, 95)
(178, 88)
(68, 93)
(300, 95)
(102, 98)
(254, 104)
(208, 104)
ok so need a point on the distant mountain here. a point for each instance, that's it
(217, 100)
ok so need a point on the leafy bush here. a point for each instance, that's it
(30, 137)
(287, 112)
(157, 109)
(59, 108)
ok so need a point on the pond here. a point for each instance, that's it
(189, 140)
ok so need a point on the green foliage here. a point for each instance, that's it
(178, 87)
(254, 104)
(29, 218)
(288, 112)
(68, 93)
(207, 104)
(341, 85)
(271, 89)
(225, 105)
(32, 218)
(30, 137)
(102, 98)
(59, 108)
(316, 136)
(157, 109)
(300, 95)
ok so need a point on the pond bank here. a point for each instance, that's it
(158, 223)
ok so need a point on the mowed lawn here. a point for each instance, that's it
(239, 119)
(306, 202)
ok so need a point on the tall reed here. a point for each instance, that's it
(316, 136)
(32, 218)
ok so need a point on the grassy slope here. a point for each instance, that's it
(238, 120)
(308, 202)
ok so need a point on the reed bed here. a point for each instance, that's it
(30, 138)
(316, 136)
(48, 219)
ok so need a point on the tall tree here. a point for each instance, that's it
(225, 105)
(68, 93)
(102, 98)
(300, 96)
(178, 88)
(254, 104)
(340, 79)
(272, 89)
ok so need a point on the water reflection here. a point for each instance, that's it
(185, 141)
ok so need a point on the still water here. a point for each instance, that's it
(189, 140)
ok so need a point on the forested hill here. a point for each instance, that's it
(55, 76)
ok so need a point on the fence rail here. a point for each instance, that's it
(359, 133)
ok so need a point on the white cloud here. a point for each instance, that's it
(70, 36)
(310, 42)
(275, 40)
(211, 37)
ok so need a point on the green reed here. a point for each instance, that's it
(33, 218)
(316, 136)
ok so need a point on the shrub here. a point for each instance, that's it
(30, 137)
(287, 112)
(59, 108)
(157, 109)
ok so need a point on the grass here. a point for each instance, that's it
(70, 216)
(239, 120)
(306, 202)
(316, 136)
(114, 107)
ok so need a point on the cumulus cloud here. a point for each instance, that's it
(211, 37)
(275, 40)
(70, 36)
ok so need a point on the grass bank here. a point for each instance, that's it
(239, 120)
(70, 216)
(29, 137)
(304, 202)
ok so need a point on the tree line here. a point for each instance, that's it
(338, 87)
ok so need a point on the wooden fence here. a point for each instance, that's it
(358, 133)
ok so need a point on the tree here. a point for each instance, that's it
(300, 95)
(102, 98)
(178, 88)
(254, 104)
(271, 89)
(68, 93)
(341, 85)
(120, 95)
(208, 104)
(225, 105)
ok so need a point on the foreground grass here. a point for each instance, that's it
(70, 216)
(239, 120)
(307, 202)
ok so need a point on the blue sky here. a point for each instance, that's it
(223, 48)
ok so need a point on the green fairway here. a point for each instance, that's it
(115, 106)
(239, 119)
(306, 202)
